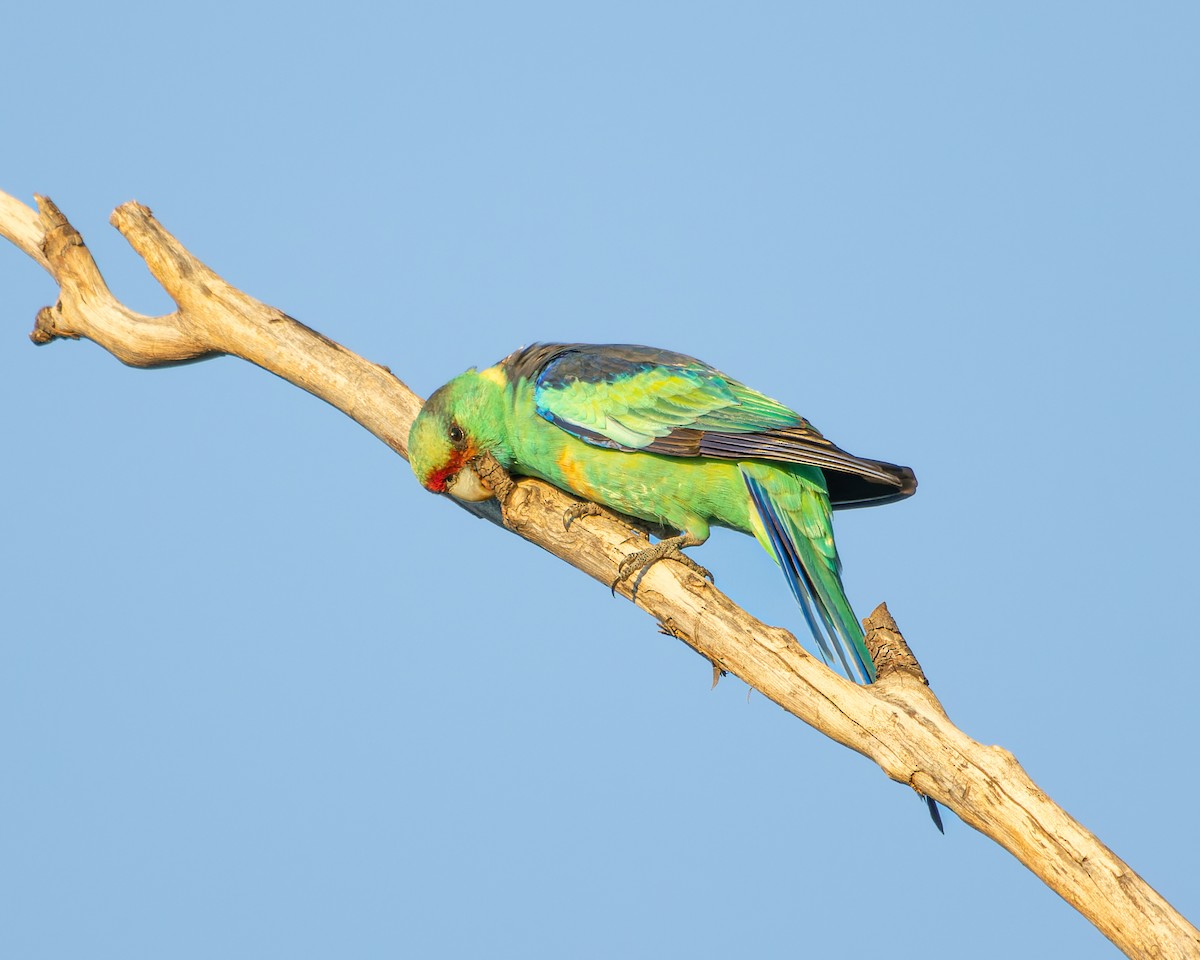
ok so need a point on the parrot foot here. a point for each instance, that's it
(638, 528)
(584, 508)
(669, 549)
(494, 477)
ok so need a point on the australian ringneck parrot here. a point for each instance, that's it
(667, 439)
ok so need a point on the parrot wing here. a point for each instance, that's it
(631, 397)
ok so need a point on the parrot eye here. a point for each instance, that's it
(456, 434)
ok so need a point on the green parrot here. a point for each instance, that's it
(664, 438)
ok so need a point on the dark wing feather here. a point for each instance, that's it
(852, 481)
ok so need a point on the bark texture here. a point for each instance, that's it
(897, 722)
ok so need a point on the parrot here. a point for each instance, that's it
(665, 438)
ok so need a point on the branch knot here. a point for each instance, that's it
(888, 648)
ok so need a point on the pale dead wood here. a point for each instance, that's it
(212, 318)
(897, 722)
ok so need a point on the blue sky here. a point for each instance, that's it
(262, 696)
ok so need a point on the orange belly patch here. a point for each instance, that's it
(573, 475)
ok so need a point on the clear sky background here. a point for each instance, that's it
(262, 696)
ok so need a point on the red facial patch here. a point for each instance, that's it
(436, 481)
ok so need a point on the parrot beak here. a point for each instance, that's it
(466, 485)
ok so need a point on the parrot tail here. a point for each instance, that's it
(817, 587)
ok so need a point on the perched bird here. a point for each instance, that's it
(667, 439)
(662, 437)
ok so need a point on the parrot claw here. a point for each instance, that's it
(669, 549)
(584, 508)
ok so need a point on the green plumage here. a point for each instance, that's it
(665, 438)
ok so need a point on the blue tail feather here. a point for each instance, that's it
(830, 632)
(934, 812)
(810, 594)
(793, 569)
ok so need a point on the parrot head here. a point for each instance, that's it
(460, 421)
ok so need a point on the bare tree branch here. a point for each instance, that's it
(897, 722)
